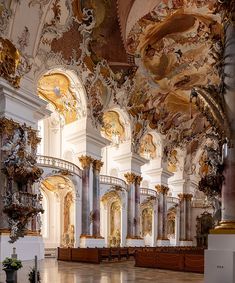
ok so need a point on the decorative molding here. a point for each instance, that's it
(85, 161)
(97, 164)
(161, 189)
(13, 65)
(184, 196)
(130, 177)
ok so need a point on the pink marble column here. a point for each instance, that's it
(185, 217)
(138, 180)
(133, 221)
(162, 212)
(228, 189)
(86, 162)
(130, 178)
(97, 164)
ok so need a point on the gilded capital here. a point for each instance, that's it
(161, 189)
(130, 177)
(85, 161)
(97, 164)
(185, 196)
(138, 179)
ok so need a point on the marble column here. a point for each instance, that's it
(220, 256)
(133, 222)
(130, 178)
(97, 164)
(162, 215)
(138, 180)
(185, 219)
(86, 162)
(228, 189)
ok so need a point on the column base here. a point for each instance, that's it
(26, 248)
(135, 242)
(220, 259)
(91, 242)
(185, 243)
(163, 242)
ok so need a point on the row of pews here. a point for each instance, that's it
(188, 259)
(95, 255)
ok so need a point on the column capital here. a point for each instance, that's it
(138, 179)
(185, 196)
(130, 177)
(161, 189)
(85, 161)
(97, 164)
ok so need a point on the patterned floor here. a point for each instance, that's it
(116, 272)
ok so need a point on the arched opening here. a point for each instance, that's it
(58, 220)
(171, 225)
(65, 94)
(111, 217)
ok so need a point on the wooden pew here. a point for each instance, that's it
(194, 263)
(90, 255)
(172, 261)
(115, 253)
(64, 254)
(180, 259)
(104, 253)
(124, 253)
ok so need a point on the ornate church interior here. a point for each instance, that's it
(117, 138)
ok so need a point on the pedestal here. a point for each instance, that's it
(26, 248)
(132, 242)
(163, 243)
(220, 259)
(185, 243)
(89, 242)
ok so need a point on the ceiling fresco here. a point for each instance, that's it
(56, 89)
(158, 62)
(113, 128)
(147, 147)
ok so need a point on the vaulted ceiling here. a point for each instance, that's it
(153, 59)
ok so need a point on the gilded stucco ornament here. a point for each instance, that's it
(85, 161)
(13, 65)
(130, 177)
(161, 189)
(97, 165)
(147, 147)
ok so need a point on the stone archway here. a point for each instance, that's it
(112, 218)
(60, 216)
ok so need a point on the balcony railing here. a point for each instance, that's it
(148, 192)
(173, 200)
(48, 161)
(104, 179)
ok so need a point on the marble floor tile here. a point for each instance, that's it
(116, 272)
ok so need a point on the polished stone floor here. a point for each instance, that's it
(116, 272)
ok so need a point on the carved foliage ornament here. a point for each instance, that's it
(185, 197)
(133, 178)
(97, 164)
(13, 65)
(85, 161)
(161, 189)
